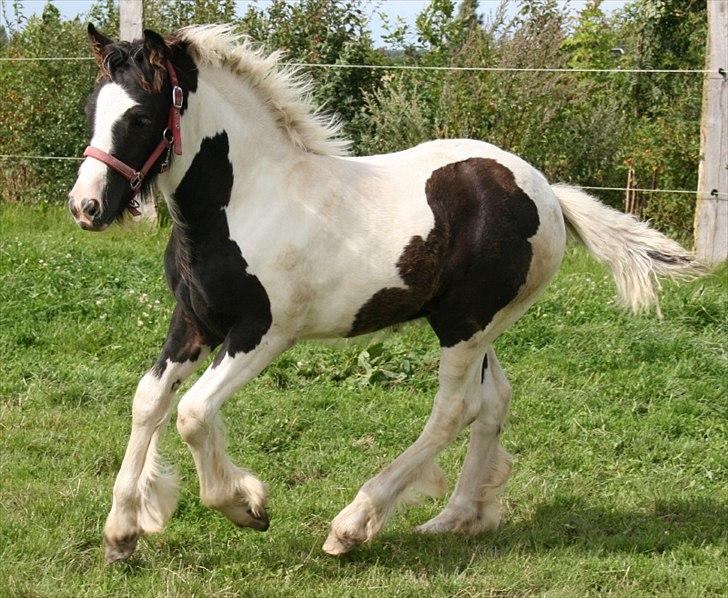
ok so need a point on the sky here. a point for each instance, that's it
(406, 9)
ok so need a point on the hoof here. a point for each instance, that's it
(336, 546)
(243, 516)
(357, 523)
(243, 502)
(121, 548)
(434, 526)
(260, 523)
(348, 530)
(486, 519)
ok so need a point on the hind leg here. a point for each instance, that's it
(456, 405)
(473, 507)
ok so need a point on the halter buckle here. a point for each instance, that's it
(136, 181)
(178, 97)
(167, 159)
(133, 207)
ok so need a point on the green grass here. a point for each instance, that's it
(618, 426)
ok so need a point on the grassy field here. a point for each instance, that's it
(618, 426)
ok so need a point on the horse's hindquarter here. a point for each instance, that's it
(498, 238)
(364, 243)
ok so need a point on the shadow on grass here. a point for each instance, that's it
(657, 527)
(565, 523)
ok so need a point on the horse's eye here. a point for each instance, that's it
(139, 122)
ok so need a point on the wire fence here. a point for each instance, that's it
(711, 74)
(708, 196)
(417, 67)
(29, 158)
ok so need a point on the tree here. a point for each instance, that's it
(438, 30)
(170, 15)
(323, 32)
(468, 15)
(594, 39)
(664, 137)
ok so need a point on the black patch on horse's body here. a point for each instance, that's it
(205, 268)
(418, 268)
(185, 340)
(483, 368)
(474, 260)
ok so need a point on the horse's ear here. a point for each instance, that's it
(157, 52)
(155, 46)
(99, 43)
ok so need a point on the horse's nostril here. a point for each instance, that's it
(90, 207)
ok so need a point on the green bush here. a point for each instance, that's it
(584, 128)
(41, 107)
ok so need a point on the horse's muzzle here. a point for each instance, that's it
(86, 213)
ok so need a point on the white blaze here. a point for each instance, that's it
(111, 104)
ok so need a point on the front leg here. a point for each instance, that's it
(230, 489)
(145, 491)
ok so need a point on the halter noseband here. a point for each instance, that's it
(171, 141)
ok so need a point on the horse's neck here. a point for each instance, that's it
(259, 152)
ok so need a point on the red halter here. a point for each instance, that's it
(171, 141)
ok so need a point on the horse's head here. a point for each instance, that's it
(127, 116)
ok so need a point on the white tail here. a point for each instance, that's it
(635, 253)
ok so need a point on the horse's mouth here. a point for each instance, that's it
(93, 227)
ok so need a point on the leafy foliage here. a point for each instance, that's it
(41, 107)
(586, 128)
(323, 32)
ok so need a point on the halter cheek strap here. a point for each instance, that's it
(171, 142)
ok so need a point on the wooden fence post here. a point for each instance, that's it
(711, 210)
(632, 198)
(131, 19)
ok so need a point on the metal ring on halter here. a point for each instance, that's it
(168, 135)
(178, 97)
(136, 181)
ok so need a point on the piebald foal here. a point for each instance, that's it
(279, 236)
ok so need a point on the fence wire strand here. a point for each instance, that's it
(44, 58)
(415, 67)
(715, 196)
(29, 157)
(493, 69)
